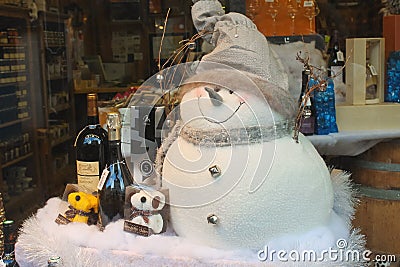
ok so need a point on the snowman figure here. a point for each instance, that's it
(236, 177)
(235, 174)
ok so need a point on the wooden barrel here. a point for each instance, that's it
(377, 173)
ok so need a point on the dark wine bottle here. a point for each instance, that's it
(336, 60)
(115, 177)
(10, 238)
(307, 120)
(91, 148)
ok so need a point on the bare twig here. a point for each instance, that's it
(165, 79)
(183, 50)
(162, 39)
(320, 86)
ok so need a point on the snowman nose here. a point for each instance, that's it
(216, 99)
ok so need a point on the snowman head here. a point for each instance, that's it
(219, 96)
(209, 106)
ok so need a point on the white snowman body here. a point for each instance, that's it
(255, 192)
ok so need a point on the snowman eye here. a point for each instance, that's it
(230, 91)
(217, 89)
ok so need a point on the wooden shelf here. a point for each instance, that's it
(24, 80)
(11, 59)
(7, 9)
(51, 138)
(103, 90)
(15, 161)
(14, 72)
(10, 123)
(15, 83)
(23, 45)
(5, 95)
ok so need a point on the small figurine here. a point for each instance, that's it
(146, 205)
(83, 207)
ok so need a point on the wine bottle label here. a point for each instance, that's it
(307, 125)
(308, 4)
(88, 174)
(88, 168)
(103, 179)
(269, 1)
(373, 70)
(340, 56)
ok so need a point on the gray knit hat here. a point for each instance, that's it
(239, 45)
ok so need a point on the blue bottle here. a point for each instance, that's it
(393, 78)
(325, 111)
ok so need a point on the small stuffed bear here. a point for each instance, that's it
(83, 207)
(146, 205)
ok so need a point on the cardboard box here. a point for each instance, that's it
(125, 131)
(146, 132)
(358, 50)
(81, 85)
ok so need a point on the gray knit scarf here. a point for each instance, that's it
(236, 136)
(220, 137)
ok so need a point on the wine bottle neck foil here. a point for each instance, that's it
(114, 134)
(114, 126)
(92, 110)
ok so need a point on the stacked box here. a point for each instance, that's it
(356, 49)
(146, 132)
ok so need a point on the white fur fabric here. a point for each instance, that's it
(81, 245)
